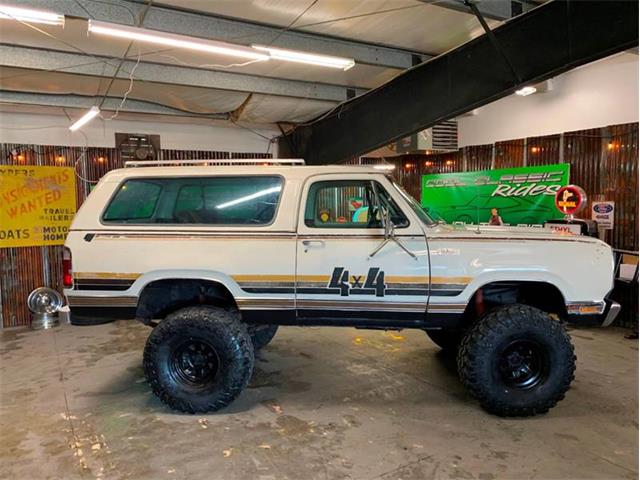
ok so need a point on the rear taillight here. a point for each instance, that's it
(67, 271)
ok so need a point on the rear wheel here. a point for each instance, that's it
(199, 359)
(261, 335)
(517, 361)
(447, 340)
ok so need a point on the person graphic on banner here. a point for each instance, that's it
(495, 218)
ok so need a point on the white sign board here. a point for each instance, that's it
(565, 228)
(602, 213)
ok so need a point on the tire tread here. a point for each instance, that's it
(478, 340)
(200, 317)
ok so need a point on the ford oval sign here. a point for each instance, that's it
(603, 208)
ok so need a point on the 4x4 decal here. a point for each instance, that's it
(341, 282)
(372, 283)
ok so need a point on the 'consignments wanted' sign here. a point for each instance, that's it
(37, 205)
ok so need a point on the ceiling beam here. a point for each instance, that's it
(542, 43)
(493, 9)
(96, 66)
(225, 29)
(84, 102)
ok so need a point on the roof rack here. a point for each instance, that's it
(216, 162)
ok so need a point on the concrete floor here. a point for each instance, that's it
(323, 403)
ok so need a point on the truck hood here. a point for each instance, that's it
(505, 233)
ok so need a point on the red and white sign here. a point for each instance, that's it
(570, 199)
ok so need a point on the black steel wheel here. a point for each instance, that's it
(517, 361)
(523, 364)
(199, 359)
(194, 363)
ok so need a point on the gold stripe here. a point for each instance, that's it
(453, 280)
(406, 279)
(106, 275)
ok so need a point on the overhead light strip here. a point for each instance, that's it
(93, 111)
(256, 52)
(307, 58)
(528, 90)
(174, 40)
(30, 16)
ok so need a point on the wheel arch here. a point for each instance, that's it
(161, 296)
(543, 295)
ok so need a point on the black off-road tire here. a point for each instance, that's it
(447, 340)
(178, 343)
(487, 350)
(261, 335)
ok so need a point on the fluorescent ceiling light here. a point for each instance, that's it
(93, 111)
(261, 193)
(524, 91)
(30, 16)
(308, 58)
(173, 40)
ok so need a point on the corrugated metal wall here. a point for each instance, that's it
(24, 269)
(509, 154)
(604, 161)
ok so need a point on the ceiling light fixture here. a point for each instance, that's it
(31, 16)
(93, 111)
(384, 167)
(308, 58)
(173, 40)
(524, 91)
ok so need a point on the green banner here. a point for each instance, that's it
(522, 195)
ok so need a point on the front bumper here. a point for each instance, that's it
(610, 313)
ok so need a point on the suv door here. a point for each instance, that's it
(342, 276)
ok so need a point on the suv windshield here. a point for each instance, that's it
(415, 206)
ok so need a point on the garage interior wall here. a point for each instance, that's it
(604, 161)
(595, 95)
(179, 134)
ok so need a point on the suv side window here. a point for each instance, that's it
(223, 200)
(349, 204)
(135, 201)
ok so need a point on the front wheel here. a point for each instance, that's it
(517, 361)
(199, 359)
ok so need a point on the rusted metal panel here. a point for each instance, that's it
(478, 157)
(510, 154)
(543, 150)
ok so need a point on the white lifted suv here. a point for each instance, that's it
(216, 257)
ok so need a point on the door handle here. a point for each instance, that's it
(312, 244)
